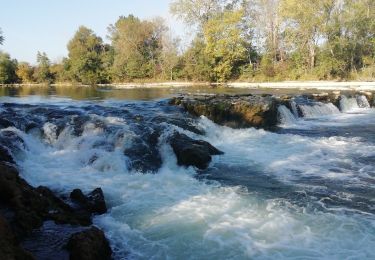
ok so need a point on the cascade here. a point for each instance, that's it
(362, 101)
(318, 109)
(285, 116)
(347, 104)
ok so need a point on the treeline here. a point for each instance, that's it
(252, 40)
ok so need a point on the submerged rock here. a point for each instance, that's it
(190, 152)
(233, 111)
(94, 201)
(90, 244)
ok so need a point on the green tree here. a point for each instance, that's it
(137, 46)
(7, 69)
(25, 72)
(304, 26)
(196, 65)
(228, 47)
(42, 73)
(86, 54)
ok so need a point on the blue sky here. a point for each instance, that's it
(47, 25)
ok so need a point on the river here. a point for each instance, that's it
(303, 191)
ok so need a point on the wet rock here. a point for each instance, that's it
(233, 111)
(94, 201)
(190, 152)
(184, 123)
(5, 155)
(4, 123)
(143, 152)
(12, 140)
(90, 244)
(9, 246)
(32, 206)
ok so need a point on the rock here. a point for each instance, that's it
(90, 244)
(234, 111)
(190, 152)
(9, 246)
(5, 155)
(143, 153)
(94, 201)
(12, 141)
(32, 206)
(4, 123)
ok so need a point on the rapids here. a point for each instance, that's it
(304, 191)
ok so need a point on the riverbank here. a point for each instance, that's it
(301, 85)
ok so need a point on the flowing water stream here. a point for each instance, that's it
(305, 191)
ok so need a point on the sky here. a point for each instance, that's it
(30, 26)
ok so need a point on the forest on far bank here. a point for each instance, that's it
(246, 40)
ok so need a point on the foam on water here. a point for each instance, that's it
(172, 215)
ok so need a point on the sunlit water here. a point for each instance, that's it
(305, 191)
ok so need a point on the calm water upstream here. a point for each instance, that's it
(304, 191)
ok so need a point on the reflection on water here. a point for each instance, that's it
(102, 93)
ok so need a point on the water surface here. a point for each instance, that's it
(305, 191)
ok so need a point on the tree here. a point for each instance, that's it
(42, 72)
(196, 12)
(228, 46)
(196, 65)
(304, 26)
(169, 55)
(263, 16)
(351, 34)
(137, 46)
(86, 54)
(7, 69)
(1, 37)
(25, 72)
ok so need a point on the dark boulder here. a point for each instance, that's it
(190, 152)
(5, 155)
(90, 244)
(4, 123)
(9, 246)
(31, 206)
(94, 201)
(143, 153)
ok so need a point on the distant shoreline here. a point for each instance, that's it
(319, 85)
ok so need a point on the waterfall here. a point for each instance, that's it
(347, 104)
(362, 101)
(318, 109)
(285, 116)
(293, 105)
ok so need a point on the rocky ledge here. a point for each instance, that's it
(24, 208)
(236, 111)
(258, 110)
